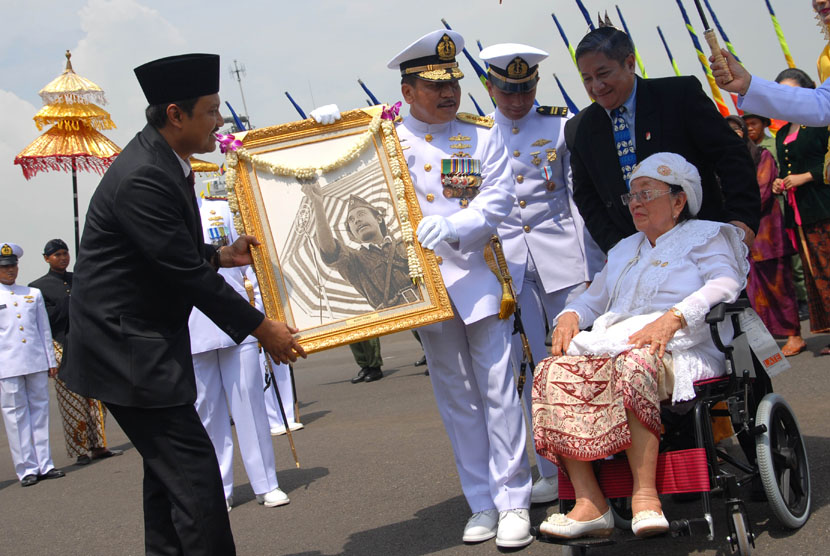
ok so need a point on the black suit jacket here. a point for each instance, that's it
(672, 115)
(56, 288)
(142, 266)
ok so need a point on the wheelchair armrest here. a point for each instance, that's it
(717, 313)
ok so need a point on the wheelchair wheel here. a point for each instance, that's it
(741, 539)
(621, 510)
(782, 462)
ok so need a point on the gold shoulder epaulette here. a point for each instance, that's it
(553, 110)
(482, 121)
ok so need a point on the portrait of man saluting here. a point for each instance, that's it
(378, 269)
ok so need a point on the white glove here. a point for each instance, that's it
(326, 115)
(434, 229)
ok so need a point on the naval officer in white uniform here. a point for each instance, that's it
(464, 183)
(27, 360)
(549, 251)
(227, 371)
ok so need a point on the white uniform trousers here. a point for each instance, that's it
(283, 376)
(234, 374)
(538, 309)
(476, 397)
(25, 404)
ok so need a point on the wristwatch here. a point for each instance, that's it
(676, 312)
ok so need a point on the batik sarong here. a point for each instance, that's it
(83, 418)
(580, 402)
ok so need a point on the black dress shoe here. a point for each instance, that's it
(28, 480)
(361, 374)
(51, 474)
(422, 361)
(83, 460)
(373, 374)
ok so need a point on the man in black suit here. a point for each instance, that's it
(142, 266)
(661, 115)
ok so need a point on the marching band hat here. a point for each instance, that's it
(514, 68)
(179, 77)
(432, 57)
(9, 253)
(53, 246)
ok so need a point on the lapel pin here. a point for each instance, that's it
(648, 136)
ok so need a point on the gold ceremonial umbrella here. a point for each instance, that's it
(72, 143)
(202, 166)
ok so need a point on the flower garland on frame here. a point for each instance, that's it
(234, 151)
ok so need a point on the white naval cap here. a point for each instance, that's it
(513, 67)
(9, 253)
(432, 57)
(671, 168)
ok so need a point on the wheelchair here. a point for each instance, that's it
(690, 463)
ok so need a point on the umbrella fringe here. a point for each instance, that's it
(70, 97)
(31, 166)
(97, 122)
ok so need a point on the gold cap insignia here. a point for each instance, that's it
(517, 68)
(445, 49)
(6, 250)
(664, 170)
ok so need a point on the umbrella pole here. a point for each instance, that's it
(75, 204)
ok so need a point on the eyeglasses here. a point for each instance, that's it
(643, 196)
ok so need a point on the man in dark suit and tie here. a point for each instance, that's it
(143, 265)
(633, 118)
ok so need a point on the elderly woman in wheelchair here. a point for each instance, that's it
(600, 392)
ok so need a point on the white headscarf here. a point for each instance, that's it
(671, 168)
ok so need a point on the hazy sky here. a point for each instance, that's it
(316, 50)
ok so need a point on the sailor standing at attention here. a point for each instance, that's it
(464, 183)
(550, 254)
(27, 360)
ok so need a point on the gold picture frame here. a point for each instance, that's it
(360, 289)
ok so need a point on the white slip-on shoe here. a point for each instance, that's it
(278, 430)
(514, 529)
(545, 490)
(649, 523)
(274, 498)
(295, 426)
(560, 525)
(229, 503)
(481, 526)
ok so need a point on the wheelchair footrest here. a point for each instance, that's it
(677, 472)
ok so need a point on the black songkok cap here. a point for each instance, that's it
(179, 77)
(54, 245)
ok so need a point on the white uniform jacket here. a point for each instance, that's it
(472, 287)
(545, 220)
(204, 335)
(25, 336)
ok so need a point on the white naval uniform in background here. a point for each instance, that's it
(468, 356)
(227, 371)
(548, 249)
(26, 355)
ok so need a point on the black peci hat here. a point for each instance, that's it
(179, 77)
(53, 246)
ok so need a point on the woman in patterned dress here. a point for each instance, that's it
(600, 393)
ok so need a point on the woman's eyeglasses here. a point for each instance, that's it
(643, 196)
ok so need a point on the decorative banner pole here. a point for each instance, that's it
(729, 47)
(571, 105)
(482, 75)
(668, 51)
(636, 52)
(478, 108)
(567, 42)
(480, 48)
(584, 11)
(296, 106)
(716, 95)
(780, 34)
(368, 92)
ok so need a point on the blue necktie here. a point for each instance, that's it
(624, 143)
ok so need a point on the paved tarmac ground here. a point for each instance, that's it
(377, 478)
